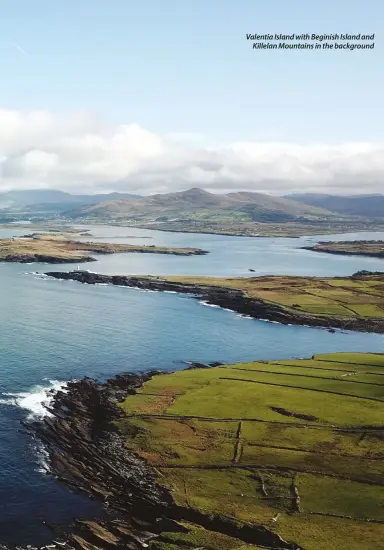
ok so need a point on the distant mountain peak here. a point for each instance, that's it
(195, 191)
(196, 203)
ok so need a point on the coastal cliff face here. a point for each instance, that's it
(88, 453)
(229, 298)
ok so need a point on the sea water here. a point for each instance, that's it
(54, 331)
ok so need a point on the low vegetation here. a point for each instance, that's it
(58, 249)
(295, 446)
(349, 297)
(356, 248)
(353, 303)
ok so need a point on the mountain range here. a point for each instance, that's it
(199, 204)
(369, 206)
(195, 205)
(52, 199)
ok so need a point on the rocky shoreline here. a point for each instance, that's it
(44, 259)
(88, 453)
(370, 249)
(233, 299)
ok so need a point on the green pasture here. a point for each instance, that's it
(242, 441)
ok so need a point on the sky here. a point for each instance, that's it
(163, 95)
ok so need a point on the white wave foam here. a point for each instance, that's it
(243, 316)
(37, 275)
(203, 303)
(136, 288)
(35, 400)
(8, 401)
(208, 305)
(42, 456)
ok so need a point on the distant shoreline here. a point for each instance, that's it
(288, 232)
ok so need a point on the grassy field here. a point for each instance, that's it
(338, 296)
(296, 446)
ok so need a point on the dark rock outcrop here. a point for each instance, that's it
(44, 259)
(87, 453)
(228, 298)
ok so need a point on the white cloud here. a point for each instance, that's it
(79, 153)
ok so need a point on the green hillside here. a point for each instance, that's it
(197, 204)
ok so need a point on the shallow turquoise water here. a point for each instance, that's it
(53, 331)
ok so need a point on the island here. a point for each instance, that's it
(282, 455)
(374, 249)
(58, 249)
(349, 303)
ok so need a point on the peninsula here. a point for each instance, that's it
(282, 455)
(258, 229)
(374, 249)
(57, 249)
(352, 303)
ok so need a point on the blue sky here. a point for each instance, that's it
(183, 68)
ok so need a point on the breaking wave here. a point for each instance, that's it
(35, 400)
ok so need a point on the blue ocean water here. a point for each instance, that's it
(53, 331)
